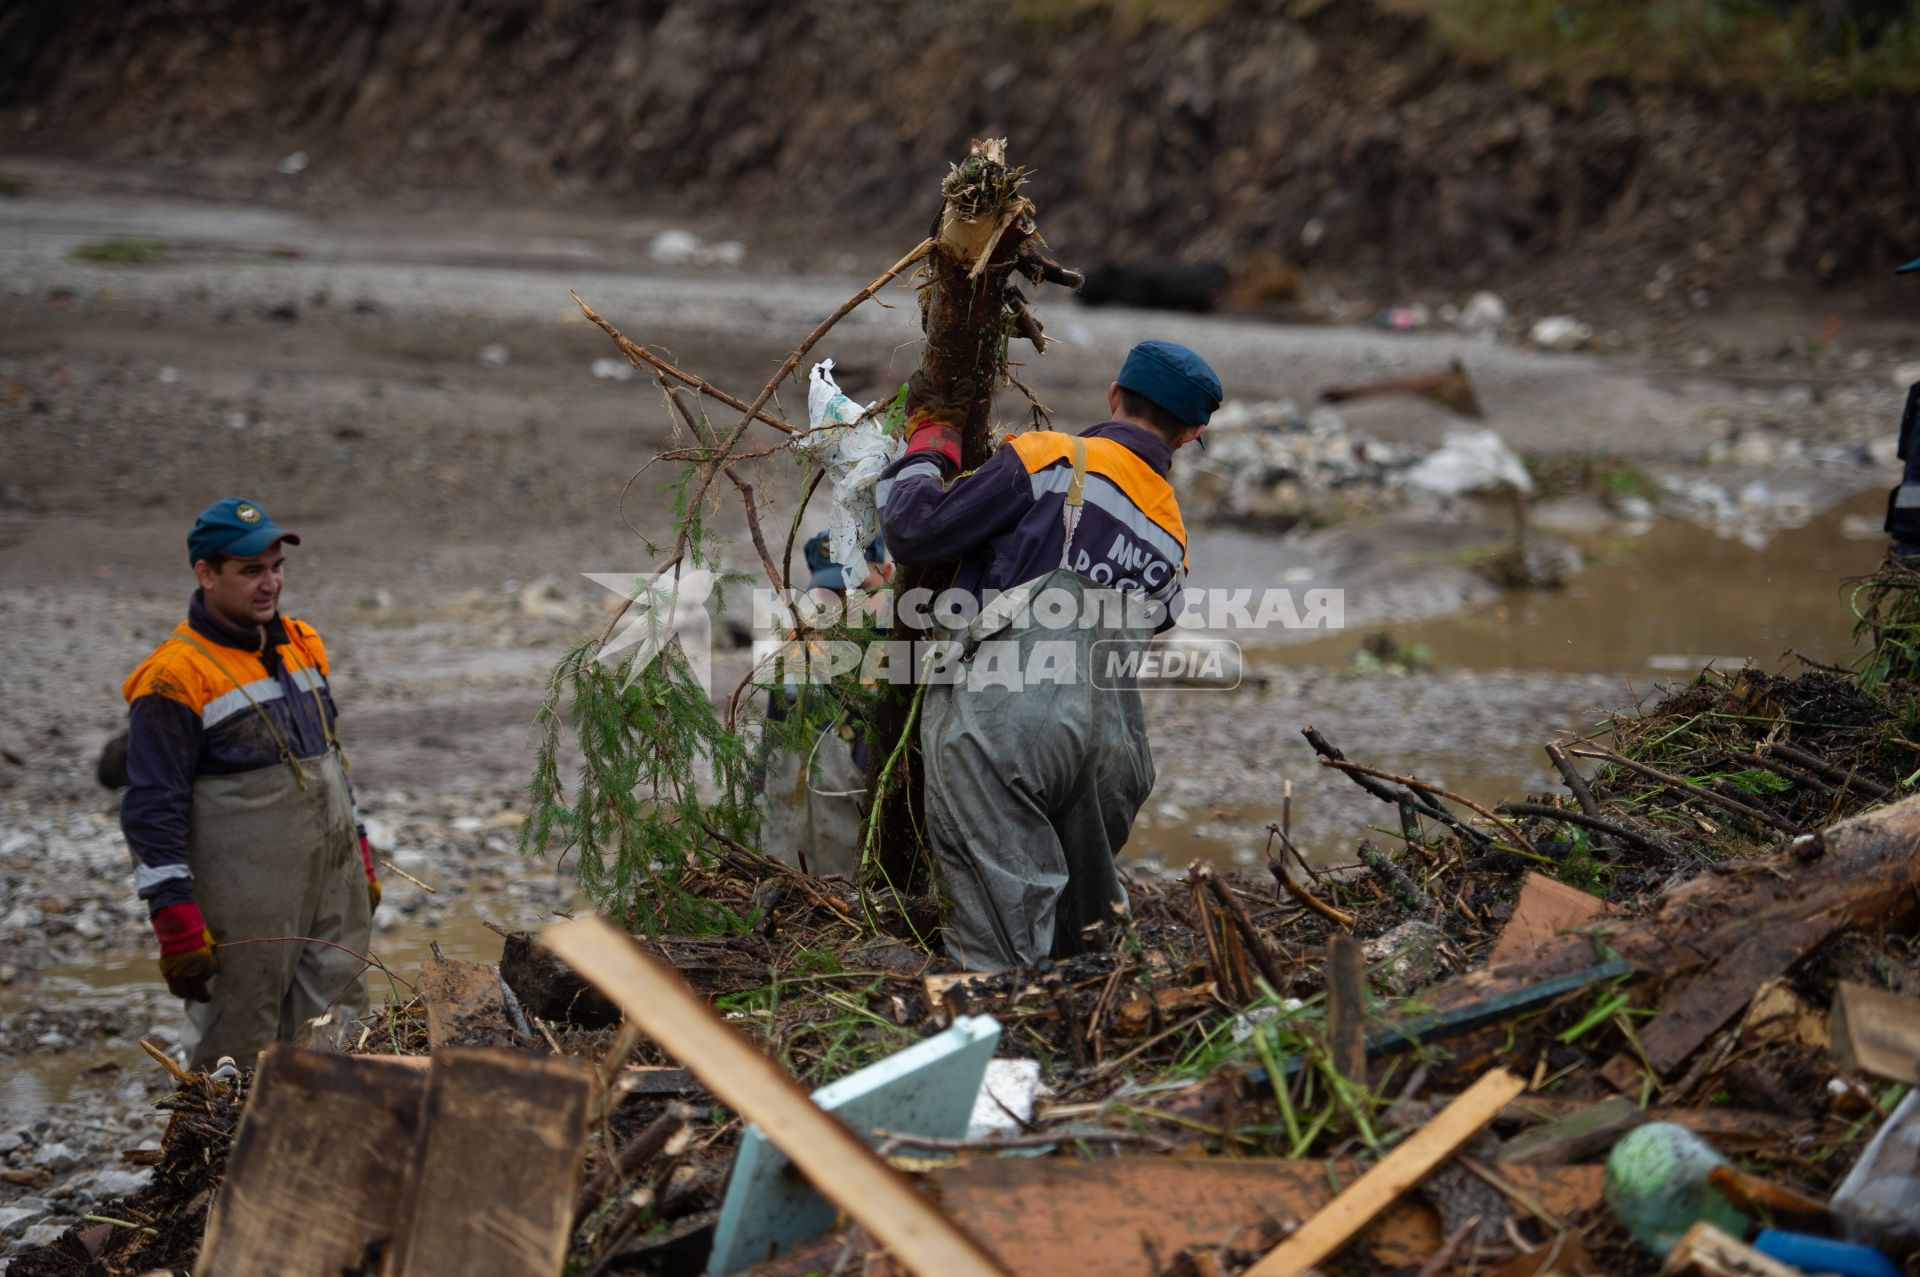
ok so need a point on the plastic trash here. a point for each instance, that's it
(1561, 332)
(1657, 1185)
(1470, 461)
(854, 457)
(1878, 1203)
(1823, 1254)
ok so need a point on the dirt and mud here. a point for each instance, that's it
(340, 366)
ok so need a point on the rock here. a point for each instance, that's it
(607, 368)
(492, 355)
(295, 163)
(1411, 956)
(41, 1235)
(547, 599)
(13, 1218)
(54, 1041)
(22, 918)
(1634, 508)
(55, 1157)
(112, 1185)
(1905, 375)
(1561, 332)
(675, 248)
(10, 1141)
(1483, 313)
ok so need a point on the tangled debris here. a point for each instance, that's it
(1205, 1025)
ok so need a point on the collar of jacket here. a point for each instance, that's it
(262, 640)
(1145, 443)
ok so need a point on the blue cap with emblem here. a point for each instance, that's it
(1173, 377)
(236, 527)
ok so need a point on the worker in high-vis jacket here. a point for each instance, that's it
(1035, 746)
(246, 844)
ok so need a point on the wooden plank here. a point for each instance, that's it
(1706, 1001)
(1575, 1137)
(464, 1006)
(837, 1161)
(1347, 1008)
(1563, 1256)
(495, 1174)
(1876, 1032)
(1546, 908)
(1128, 1216)
(1707, 1251)
(317, 1167)
(1323, 1235)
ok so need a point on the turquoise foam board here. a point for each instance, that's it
(927, 1089)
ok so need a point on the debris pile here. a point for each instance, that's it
(1439, 1037)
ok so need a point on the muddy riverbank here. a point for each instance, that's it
(450, 503)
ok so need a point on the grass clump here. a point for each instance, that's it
(120, 252)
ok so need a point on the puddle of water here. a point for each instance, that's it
(31, 1085)
(1664, 603)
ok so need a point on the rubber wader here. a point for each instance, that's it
(812, 810)
(1036, 762)
(273, 858)
(274, 852)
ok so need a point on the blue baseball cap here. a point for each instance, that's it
(236, 527)
(1173, 377)
(1909, 268)
(828, 575)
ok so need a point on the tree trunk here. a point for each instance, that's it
(970, 308)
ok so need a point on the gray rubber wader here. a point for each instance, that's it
(1031, 788)
(273, 856)
(811, 817)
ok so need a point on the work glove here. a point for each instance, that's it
(187, 956)
(373, 879)
(930, 420)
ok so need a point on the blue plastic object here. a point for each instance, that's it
(927, 1089)
(1823, 1254)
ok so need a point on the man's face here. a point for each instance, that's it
(244, 591)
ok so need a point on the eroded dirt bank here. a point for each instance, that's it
(1340, 137)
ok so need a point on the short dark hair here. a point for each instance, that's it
(1137, 406)
(218, 562)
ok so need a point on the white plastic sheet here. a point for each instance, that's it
(853, 456)
(1470, 461)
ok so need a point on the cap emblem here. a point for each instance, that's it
(247, 513)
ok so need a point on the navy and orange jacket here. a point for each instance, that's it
(1005, 521)
(187, 717)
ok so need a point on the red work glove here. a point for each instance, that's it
(928, 426)
(373, 879)
(187, 957)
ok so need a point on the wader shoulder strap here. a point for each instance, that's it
(1076, 497)
(286, 752)
(313, 688)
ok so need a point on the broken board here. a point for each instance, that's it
(317, 1166)
(463, 1002)
(1545, 910)
(1876, 1032)
(1129, 1216)
(491, 1189)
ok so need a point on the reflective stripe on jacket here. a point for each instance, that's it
(1006, 520)
(228, 708)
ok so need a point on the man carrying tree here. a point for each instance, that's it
(237, 810)
(1031, 787)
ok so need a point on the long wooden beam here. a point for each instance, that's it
(836, 1161)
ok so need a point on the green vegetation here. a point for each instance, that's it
(120, 252)
(14, 185)
(1807, 48)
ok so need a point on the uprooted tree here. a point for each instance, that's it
(665, 772)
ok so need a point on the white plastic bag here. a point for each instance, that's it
(854, 457)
